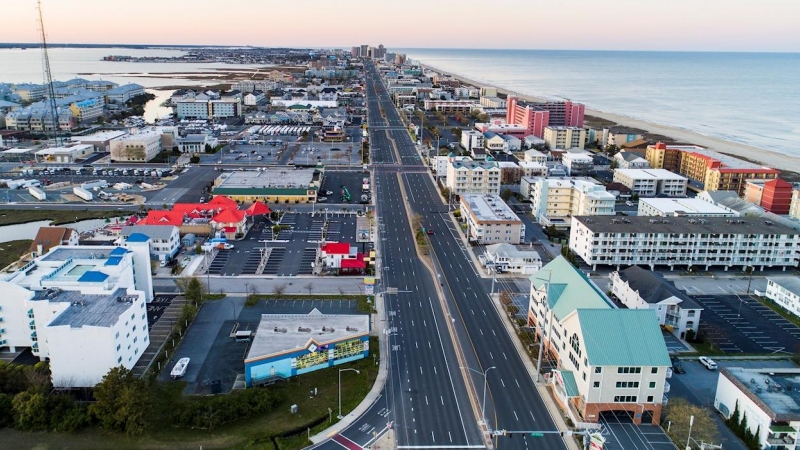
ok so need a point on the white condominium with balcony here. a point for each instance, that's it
(684, 242)
(473, 177)
(652, 182)
(566, 197)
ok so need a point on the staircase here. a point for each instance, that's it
(159, 333)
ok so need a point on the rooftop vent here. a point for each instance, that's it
(351, 329)
(303, 330)
(328, 329)
(280, 330)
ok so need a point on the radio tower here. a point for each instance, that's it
(52, 108)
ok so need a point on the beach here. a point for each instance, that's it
(765, 157)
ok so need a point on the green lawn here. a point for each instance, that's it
(11, 251)
(256, 433)
(11, 217)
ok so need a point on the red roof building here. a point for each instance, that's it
(336, 248)
(163, 217)
(222, 200)
(774, 196)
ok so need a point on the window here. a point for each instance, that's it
(117, 336)
(598, 370)
(624, 399)
(627, 384)
(649, 399)
(119, 346)
(652, 385)
(119, 360)
(654, 370)
(629, 370)
(596, 384)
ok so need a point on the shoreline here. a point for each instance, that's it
(785, 163)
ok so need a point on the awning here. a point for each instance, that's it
(230, 229)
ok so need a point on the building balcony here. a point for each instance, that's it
(667, 387)
(669, 373)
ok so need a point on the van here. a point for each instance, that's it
(629, 203)
(243, 336)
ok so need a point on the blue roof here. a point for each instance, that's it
(623, 337)
(137, 237)
(119, 251)
(113, 261)
(92, 276)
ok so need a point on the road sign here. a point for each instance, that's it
(537, 434)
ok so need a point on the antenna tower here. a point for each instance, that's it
(52, 108)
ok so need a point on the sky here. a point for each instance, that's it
(670, 25)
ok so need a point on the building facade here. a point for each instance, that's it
(681, 207)
(774, 195)
(564, 137)
(165, 240)
(557, 198)
(785, 291)
(489, 220)
(652, 182)
(471, 177)
(140, 147)
(684, 242)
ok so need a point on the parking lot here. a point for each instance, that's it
(216, 356)
(621, 434)
(291, 251)
(333, 182)
(157, 307)
(737, 324)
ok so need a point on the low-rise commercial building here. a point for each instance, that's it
(471, 177)
(767, 397)
(639, 288)
(272, 185)
(489, 220)
(652, 182)
(785, 291)
(555, 200)
(689, 207)
(141, 147)
(100, 140)
(67, 154)
(608, 359)
(196, 143)
(684, 242)
(81, 307)
(288, 345)
(507, 258)
(564, 137)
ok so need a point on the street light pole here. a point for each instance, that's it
(340, 416)
(688, 438)
(485, 379)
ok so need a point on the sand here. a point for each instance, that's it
(761, 156)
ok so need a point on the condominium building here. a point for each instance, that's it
(794, 206)
(471, 139)
(534, 117)
(83, 308)
(88, 109)
(630, 160)
(473, 177)
(652, 182)
(773, 195)
(439, 163)
(688, 207)
(140, 147)
(124, 93)
(535, 156)
(785, 291)
(639, 288)
(489, 220)
(711, 170)
(684, 242)
(607, 359)
(532, 169)
(564, 137)
(555, 200)
(578, 162)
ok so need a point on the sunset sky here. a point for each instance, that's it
(724, 25)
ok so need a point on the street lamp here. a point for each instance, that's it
(688, 438)
(340, 416)
(485, 379)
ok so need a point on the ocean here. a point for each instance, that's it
(751, 98)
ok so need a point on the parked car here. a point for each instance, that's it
(677, 366)
(708, 362)
(629, 203)
(227, 246)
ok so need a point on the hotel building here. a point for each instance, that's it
(472, 177)
(652, 182)
(490, 221)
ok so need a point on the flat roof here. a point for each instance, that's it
(151, 231)
(63, 150)
(679, 225)
(691, 206)
(775, 390)
(100, 136)
(658, 174)
(489, 208)
(285, 333)
(273, 177)
(791, 284)
(102, 310)
(64, 253)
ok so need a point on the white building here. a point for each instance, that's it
(489, 220)
(507, 258)
(578, 162)
(470, 177)
(560, 137)
(192, 109)
(639, 288)
(652, 182)
(767, 397)
(684, 242)
(535, 156)
(440, 163)
(626, 160)
(533, 169)
(608, 359)
(254, 98)
(196, 143)
(785, 291)
(67, 154)
(165, 240)
(141, 147)
(82, 308)
(471, 140)
(225, 108)
(122, 94)
(690, 207)
(555, 200)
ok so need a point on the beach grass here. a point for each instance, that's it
(59, 217)
(11, 251)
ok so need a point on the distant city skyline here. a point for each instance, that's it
(678, 25)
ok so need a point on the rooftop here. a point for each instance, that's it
(653, 288)
(100, 136)
(284, 333)
(88, 310)
(277, 177)
(657, 174)
(488, 208)
(75, 252)
(512, 251)
(623, 337)
(474, 165)
(689, 206)
(152, 231)
(791, 284)
(568, 288)
(679, 225)
(776, 391)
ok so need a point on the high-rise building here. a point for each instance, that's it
(536, 116)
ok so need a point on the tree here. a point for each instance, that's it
(208, 148)
(30, 411)
(679, 412)
(6, 410)
(734, 419)
(614, 164)
(309, 287)
(123, 402)
(194, 290)
(506, 194)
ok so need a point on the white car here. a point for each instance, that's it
(708, 362)
(228, 246)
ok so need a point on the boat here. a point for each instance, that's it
(180, 368)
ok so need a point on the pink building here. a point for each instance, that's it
(536, 116)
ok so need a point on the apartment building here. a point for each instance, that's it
(439, 163)
(532, 169)
(141, 147)
(225, 108)
(684, 242)
(490, 220)
(608, 359)
(87, 109)
(507, 258)
(639, 288)
(165, 240)
(629, 160)
(652, 182)
(535, 156)
(473, 177)
(768, 397)
(122, 94)
(578, 162)
(794, 206)
(555, 200)
(683, 207)
(81, 307)
(534, 117)
(773, 195)
(785, 291)
(471, 139)
(711, 170)
(564, 137)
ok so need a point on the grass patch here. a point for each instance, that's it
(11, 251)
(365, 305)
(12, 217)
(278, 429)
(207, 297)
(779, 310)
